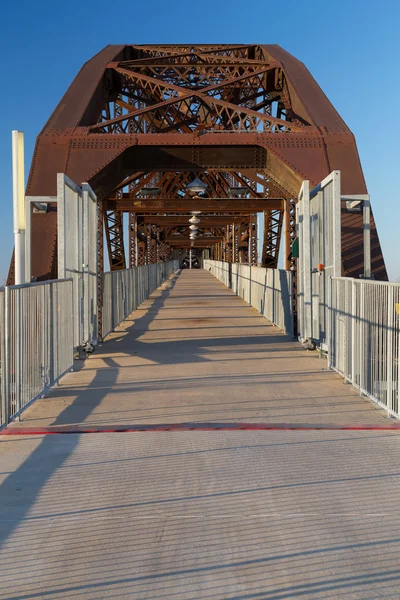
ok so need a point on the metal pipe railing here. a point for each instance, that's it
(36, 332)
(269, 291)
(364, 342)
(125, 290)
(37, 328)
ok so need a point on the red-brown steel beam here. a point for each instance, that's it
(222, 205)
(113, 221)
(321, 143)
(205, 220)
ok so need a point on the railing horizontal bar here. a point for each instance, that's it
(269, 291)
(37, 283)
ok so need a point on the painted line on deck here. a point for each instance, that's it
(82, 429)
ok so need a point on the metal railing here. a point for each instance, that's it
(364, 342)
(219, 269)
(318, 228)
(36, 332)
(77, 253)
(269, 291)
(125, 290)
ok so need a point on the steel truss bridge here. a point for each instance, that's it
(248, 470)
(139, 123)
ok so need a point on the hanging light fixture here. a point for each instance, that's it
(196, 187)
(193, 221)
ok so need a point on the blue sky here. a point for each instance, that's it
(352, 48)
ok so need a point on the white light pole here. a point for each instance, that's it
(19, 205)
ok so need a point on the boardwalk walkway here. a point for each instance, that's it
(193, 515)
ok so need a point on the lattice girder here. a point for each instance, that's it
(250, 111)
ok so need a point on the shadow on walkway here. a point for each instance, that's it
(48, 456)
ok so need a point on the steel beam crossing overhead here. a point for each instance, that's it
(141, 123)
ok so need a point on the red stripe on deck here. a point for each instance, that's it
(64, 429)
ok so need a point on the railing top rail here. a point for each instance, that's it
(162, 262)
(268, 268)
(246, 264)
(368, 281)
(322, 185)
(36, 283)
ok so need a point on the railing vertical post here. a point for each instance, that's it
(40, 306)
(355, 364)
(5, 357)
(73, 317)
(389, 349)
(306, 261)
(17, 347)
(363, 359)
(331, 352)
(397, 328)
(273, 319)
(51, 334)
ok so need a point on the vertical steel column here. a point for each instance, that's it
(18, 180)
(228, 246)
(337, 244)
(148, 244)
(90, 264)
(113, 221)
(100, 268)
(28, 240)
(337, 225)
(286, 235)
(266, 216)
(367, 238)
(305, 258)
(157, 244)
(236, 238)
(255, 241)
(132, 239)
(250, 245)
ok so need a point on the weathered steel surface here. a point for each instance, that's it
(156, 116)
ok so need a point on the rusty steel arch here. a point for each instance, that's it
(140, 118)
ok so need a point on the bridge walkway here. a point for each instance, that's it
(200, 514)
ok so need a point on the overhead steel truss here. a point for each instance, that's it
(140, 122)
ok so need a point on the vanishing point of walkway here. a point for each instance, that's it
(200, 514)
